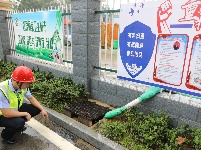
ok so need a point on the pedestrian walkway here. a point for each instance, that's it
(38, 137)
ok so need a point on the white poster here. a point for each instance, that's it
(160, 44)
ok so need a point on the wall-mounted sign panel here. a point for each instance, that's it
(39, 34)
(160, 44)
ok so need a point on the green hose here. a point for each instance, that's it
(115, 112)
(151, 92)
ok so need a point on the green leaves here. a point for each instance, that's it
(114, 130)
(6, 69)
(196, 134)
(55, 93)
(35, 4)
(148, 132)
(38, 4)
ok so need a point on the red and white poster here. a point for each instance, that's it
(170, 48)
(193, 79)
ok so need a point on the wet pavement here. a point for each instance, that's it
(29, 140)
(32, 140)
(72, 138)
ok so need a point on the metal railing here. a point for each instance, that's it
(108, 52)
(109, 33)
(67, 48)
(109, 37)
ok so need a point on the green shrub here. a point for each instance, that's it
(6, 69)
(114, 130)
(149, 132)
(56, 93)
(196, 134)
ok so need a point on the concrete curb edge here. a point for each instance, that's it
(83, 132)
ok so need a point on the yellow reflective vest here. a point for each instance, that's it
(14, 99)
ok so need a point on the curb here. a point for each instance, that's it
(83, 132)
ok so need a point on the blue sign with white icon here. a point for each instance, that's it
(136, 47)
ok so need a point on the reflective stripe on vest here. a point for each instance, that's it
(4, 90)
(11, 96)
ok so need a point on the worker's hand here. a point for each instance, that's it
(44, 114)
(28, 116)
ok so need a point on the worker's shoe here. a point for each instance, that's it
(23, 129)
(2, 134)
(7, 140)
(10, 141)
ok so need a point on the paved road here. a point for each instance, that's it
(38, 137)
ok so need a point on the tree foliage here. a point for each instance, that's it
(38, 4)
(105, 7)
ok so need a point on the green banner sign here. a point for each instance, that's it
(39, 35)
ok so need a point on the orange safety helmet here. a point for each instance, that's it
(23, 74)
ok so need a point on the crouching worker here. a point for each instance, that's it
(13, 112)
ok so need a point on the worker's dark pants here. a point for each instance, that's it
(13, 125)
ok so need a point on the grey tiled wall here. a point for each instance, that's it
(4, 36)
